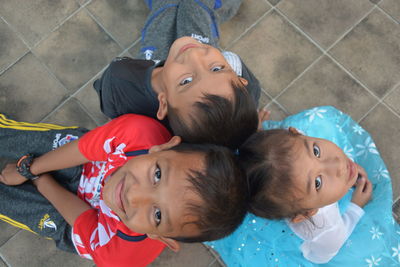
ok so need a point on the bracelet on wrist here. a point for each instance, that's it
(24, 167)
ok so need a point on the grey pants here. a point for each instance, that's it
(171, 19)
(23, 206)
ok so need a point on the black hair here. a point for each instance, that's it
(267, 158)
(218, 120)
(222, 187)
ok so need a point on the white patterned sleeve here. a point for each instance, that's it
(327, 231)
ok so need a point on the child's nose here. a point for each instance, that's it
(332, 166)
(140, 196)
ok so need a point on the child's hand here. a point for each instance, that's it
(10, 175)
(363, 192)
(263, 115)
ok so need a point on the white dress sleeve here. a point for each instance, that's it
(327, 231)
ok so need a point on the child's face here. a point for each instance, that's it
(192, 70)
(149, 193)
(322, 172)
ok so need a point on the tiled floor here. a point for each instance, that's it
(305, 53)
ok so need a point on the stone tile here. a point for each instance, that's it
(384, 127)
(28, 84)
(7, 231)
(133, 51)
(275, 52)
(375, 1)
(2, 263)
(36, 18)
(11, 46)
(326, 84)
(90, 100)
(277, 113)
(274, 2)
(71, 114)
(393, 99)
(77, 50)
(122, 19)
(392, 7)
(27, 249)
(325, 20)
(248, 13)
(264, 100)
(194, 255)
(215, 263)
(371, 51)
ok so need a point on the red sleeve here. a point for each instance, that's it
(117, 251)
(134, 131)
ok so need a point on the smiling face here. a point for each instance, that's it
(150, 193)
(192, 70)
(322, 172)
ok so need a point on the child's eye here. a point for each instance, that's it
(157, 216)
(317, 151)
(318, 183)
(157, 175)
(217, 68)
(186, 81)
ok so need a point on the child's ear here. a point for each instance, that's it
(174, 141)
(243, 81)
(169, 242)
(294, 130)
(162, 106)
(301, 217)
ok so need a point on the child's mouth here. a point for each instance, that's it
(352, 170)
(118, 195)
(186, 47)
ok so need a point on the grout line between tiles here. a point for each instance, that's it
(387, 14)
(103, 28)
(16, 32)
(45, 36)
(13, 63)
(248, 29)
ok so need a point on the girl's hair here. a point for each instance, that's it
(267, 158)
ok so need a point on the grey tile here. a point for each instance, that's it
(384, 127)
(375, 1)
(277, 113)
(194, 255)
(27, 249)
(135, 50)
(28, 92)
(90, 100)
(326, 84)
(275, 52)
(122, 19)
(393, 99)
(248, 13)
(71, 114)
(2, 263)
(11, 46)
(77, 51)
(274, 2)
(371, 51)
(392, 7)
(7, 231)
(36, 18)
(264, 100)
(325, 20)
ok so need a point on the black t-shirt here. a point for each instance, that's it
(125, 87)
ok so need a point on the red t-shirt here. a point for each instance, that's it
(95, 231)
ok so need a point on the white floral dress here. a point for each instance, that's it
(375, 240)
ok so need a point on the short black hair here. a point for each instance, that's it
(222, 188)
(267, 158)
(218, 120)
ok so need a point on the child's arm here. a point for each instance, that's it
(63, 157)
(69, 205)
(326, 232)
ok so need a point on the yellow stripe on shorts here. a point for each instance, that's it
(15, 223)
(7, 123)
